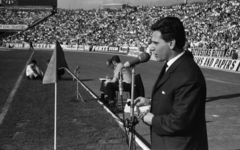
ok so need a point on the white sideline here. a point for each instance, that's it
(10, 97)
(220, 81)
(140, 143)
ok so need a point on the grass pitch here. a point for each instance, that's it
(29, 122)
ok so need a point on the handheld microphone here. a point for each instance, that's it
(143, 57)
(76, 69)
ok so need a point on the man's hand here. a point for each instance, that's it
(106, 82)
(107, 77)
(147, 119)
(141, 101)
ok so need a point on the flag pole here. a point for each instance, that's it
(55, 103)
(55, 118)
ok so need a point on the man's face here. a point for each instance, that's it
(159, 48)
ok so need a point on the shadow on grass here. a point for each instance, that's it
(209, 121)
(86, 80)
(66, 79)
(209, 99)
(71, 79)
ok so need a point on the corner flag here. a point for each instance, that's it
(51, 76)
(57, 61)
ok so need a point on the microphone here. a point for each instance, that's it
(143, 57)
(76, 69)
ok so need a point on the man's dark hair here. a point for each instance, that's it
(116, 59)
(171, 28)
(34, 61)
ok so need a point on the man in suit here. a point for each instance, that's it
(177, 115)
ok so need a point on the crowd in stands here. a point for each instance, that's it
(21, 16)
(209, 25)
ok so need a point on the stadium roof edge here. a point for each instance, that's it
(28, 7)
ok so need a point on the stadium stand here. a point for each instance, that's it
(209, 25)
(19, 20)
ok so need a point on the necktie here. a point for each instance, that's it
(163, 71)
(160, 76)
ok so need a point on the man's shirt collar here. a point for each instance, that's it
(171, 61)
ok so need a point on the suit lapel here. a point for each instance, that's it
(164, 79)
(160, 81)
(168, 73)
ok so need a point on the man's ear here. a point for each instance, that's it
(172, 44)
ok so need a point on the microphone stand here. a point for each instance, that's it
(133, 119)
(77, 93)
(121, 96)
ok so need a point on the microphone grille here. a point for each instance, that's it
(144, 57)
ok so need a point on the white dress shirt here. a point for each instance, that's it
(171, 61)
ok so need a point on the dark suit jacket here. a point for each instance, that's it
(139, 87)
(178, 105)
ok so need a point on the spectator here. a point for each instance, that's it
(103, 87)
(112, 85)
(33, 71)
